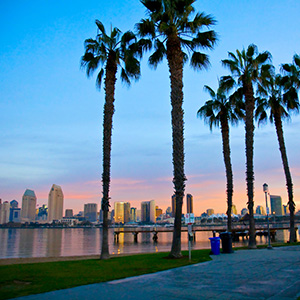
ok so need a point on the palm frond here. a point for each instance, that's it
(199, 61)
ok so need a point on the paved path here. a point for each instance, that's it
(248, 274)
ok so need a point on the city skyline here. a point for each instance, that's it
(51, 125)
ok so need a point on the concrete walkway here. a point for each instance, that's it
(246, 274)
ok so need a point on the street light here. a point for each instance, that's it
(266, 191)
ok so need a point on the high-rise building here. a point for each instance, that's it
(5, 212)
(90, 212)
(15, 212)
(173, 205)
(55, 203)
(210, 211)
(189, 203)
(158, 211)
(233, 209)
(69, 213)
(42, 215)
(28, 206)
(148, 212)
(286, 210)
(133, 214)
(276, 205)
(126, 212)
(122, 212)
(260, 210)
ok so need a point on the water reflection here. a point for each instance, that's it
(54, 242)
(41, 242)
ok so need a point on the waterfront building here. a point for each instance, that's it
(69, 213)
(286, 210)
(169, 212)
(210, 212)
(173, 205)
(133, 214)
(55, 203)
(90, 212)
(233, 209)
(126, 212)
(5, 212)
(28, 206)
(148, 211)
(158, 211)
(189, 203)
(15, 212)
(244, 211)
(119, 212)
(138, 215)
(42, 214)
(276, 205)
(260, 210)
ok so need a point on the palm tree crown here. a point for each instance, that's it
(116, 50)
(171, 19)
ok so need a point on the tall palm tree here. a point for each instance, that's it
(171, 28)
(279, 103)
(110, 53)
(220, 111)
(245, 67)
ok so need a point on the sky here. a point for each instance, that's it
(51, 113)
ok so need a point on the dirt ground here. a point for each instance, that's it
(30, 260)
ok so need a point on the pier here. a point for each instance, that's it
(239, 231)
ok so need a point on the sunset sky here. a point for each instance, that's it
(51, 114)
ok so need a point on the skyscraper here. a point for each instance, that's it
(133, 214)
(5, 211)
(15, 212)
(55, 203)
(90, 212)
(28, 206)
(173, 205)
(126, 212)
(148, 211)
(122, 212)
(233, 209)
(276, 205)
(189, 203)
(260, 210)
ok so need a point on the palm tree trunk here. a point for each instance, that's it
(288, 177)
(110, 80)
(249, 128)
(228, 168)
(175, 62)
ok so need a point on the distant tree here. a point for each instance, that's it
(220, 111)
(277, 101)
(171, 29)
(245, 67)
(110, 53)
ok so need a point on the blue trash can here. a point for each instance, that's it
(215, 245)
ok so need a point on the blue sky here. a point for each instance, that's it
(51, 114)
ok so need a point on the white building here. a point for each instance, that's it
(28, 206)
(55, 203)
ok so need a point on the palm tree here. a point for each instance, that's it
(110, 53)
(245, 67)
(171, 29)
(279, 103)
(220, 111)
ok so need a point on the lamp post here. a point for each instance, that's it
(266, 191)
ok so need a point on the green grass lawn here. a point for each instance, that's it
(27, 279)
